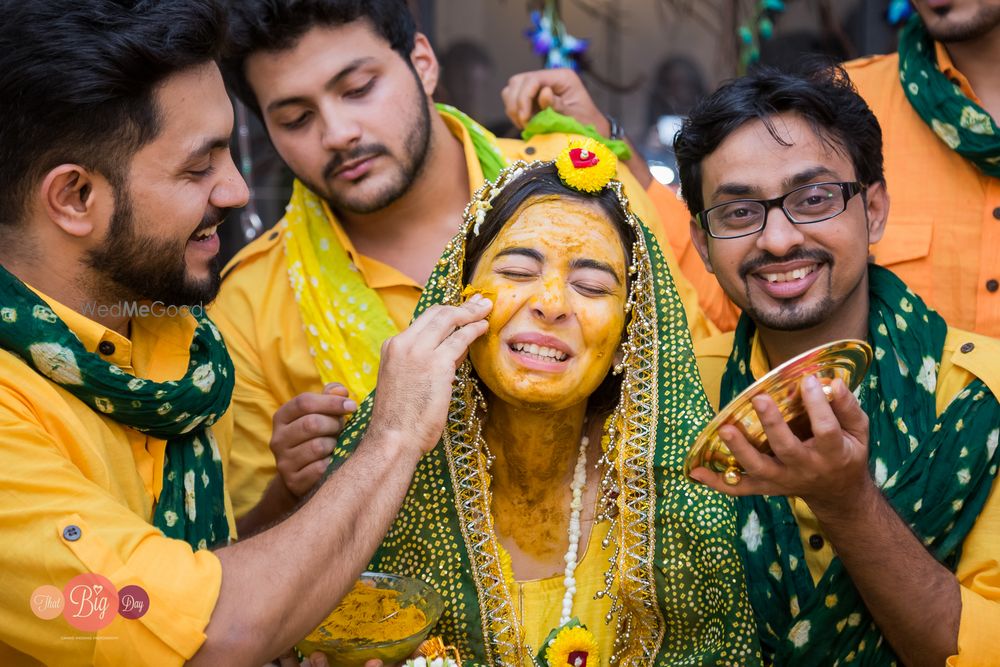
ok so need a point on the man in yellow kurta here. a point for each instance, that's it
(383, 177)
(875, 538)
(115, 387)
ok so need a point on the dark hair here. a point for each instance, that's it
(277, 25)
(543, 181)
(78, 82)
(826, 99)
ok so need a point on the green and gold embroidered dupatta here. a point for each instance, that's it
(680, 595)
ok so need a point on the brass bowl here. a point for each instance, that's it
(413, 592)
(844, 359)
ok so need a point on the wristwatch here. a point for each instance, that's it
(617, 132)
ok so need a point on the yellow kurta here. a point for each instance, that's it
(966, 356)
(538, 603)
(259, 317)
(62, 464)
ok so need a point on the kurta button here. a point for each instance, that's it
(816, 542)
(996, 213)
(530, 150)
(273, 235)
(992, 285)
(967, 347)
(71, 533)
(106, 347)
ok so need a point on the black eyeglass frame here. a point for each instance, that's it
(849, 189)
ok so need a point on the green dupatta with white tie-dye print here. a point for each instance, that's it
(191, 506)
(936, 472)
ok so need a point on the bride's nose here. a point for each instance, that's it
(550, 302)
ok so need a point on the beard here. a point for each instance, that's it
(790, 314)
(406, 168)
(985, 21)
(142, 268)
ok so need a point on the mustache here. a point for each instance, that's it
(765, 258)
(213, 216)
(358, 153)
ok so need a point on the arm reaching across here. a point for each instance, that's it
(562, 89)
(270, 599)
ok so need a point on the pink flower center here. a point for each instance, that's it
(581, 159)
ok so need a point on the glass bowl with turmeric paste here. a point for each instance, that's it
(384, 617)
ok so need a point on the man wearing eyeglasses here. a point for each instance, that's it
(876, 538)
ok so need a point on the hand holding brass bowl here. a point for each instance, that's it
(844, 359)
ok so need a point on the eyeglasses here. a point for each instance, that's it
(804, 205)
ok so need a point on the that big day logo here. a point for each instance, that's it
(89, 602)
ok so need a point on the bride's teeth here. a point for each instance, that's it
(542, 352)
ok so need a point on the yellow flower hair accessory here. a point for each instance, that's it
(573, 646)
(586, 165)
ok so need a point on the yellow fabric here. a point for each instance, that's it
(259, 318)
(979, 568)
(538, 603)
(677, 221)
(943, 234)
(344, 320)
(63, 464)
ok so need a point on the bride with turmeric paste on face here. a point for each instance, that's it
(554, 517)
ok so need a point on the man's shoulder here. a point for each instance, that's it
(874, 75)
(877, 63)
(539, 147)
(714, 347)
(262, 250)
(712, 353)
(974, 353)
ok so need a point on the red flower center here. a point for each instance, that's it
(578, 658)
(582, 158)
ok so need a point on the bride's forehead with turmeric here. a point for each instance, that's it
(568, 225)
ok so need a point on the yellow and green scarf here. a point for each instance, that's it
(191, 506)
(959, 122)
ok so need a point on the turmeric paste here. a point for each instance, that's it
(372, 615)
(470, 290)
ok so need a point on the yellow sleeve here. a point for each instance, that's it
(251, 462)
(42, 493)
(677, 226)
(979, 575)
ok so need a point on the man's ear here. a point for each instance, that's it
(876, 210)
(75, 199)
(700, 239)
(425, 63)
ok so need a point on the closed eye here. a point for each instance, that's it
(355, 93)
(202, 173)
(592, 289)
(516, 274)
(296, 122)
